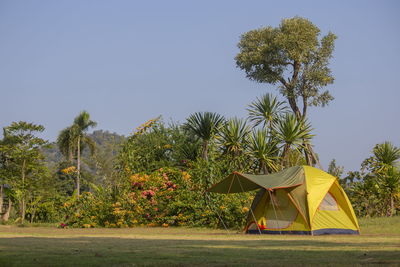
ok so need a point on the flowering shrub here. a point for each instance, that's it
(166, 197)
(157, 197)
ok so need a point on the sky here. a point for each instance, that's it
(126, 62)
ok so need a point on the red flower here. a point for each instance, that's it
(165, 176)
(148, 194)
(137, 185)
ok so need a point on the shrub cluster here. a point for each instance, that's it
(166, 197)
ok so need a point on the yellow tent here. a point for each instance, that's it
(297, 200)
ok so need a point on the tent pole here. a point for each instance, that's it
(216, 210)
(251, 211)
(220, 218)
(276, 215)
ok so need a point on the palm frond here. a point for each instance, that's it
(266, 110)
(264, 150)
(387, 153)
(84, 122)
(204, 124)
(292, 132)
(234, 136)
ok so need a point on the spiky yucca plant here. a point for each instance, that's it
(266, 111)
(264, 150)
(234, 137)
(205, 125)
(292, 134)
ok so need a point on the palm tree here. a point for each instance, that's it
(72, 140)
(234, 137)
(292, 134)
(264, 150)
(81, 125)
(385, 165)
(386, 154)
(266, 110)
(205, 125)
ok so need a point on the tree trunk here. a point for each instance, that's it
(205, 150)
(285, 154)
(391, 205)
(1, 198)
(78, 169)
(263, 167)
(70, 154)
(33, 214)
(307, 155)
(23, 204)
(6, 215)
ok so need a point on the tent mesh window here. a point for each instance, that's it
(328, 203)
(280, 212)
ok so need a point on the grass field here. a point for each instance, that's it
(378, 244)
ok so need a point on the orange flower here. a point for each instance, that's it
(69, 170)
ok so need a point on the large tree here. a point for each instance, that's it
(22, 160)
(294, 56)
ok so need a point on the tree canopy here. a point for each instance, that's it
(292, 55)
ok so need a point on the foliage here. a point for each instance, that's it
(375, 190)
(205, 125)
(234, 137)
(155, 146)
(22, 166)
(292, 134)
(166, 197)
(266, 110)
(335, 170)
(264, 151)
(292, 55)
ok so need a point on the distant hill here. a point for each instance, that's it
(107, 142)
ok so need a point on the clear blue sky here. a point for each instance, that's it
(128, 61)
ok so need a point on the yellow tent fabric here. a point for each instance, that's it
(318, 183)
(297, 200)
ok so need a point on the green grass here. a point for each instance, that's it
(380, 225)
(48, 246)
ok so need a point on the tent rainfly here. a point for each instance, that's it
(297, 200)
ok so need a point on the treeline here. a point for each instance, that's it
(159, 174)
(90, 186)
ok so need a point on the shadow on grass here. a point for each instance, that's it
(110, 251)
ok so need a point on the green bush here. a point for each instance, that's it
(166, 197)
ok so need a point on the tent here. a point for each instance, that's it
(296, 200)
